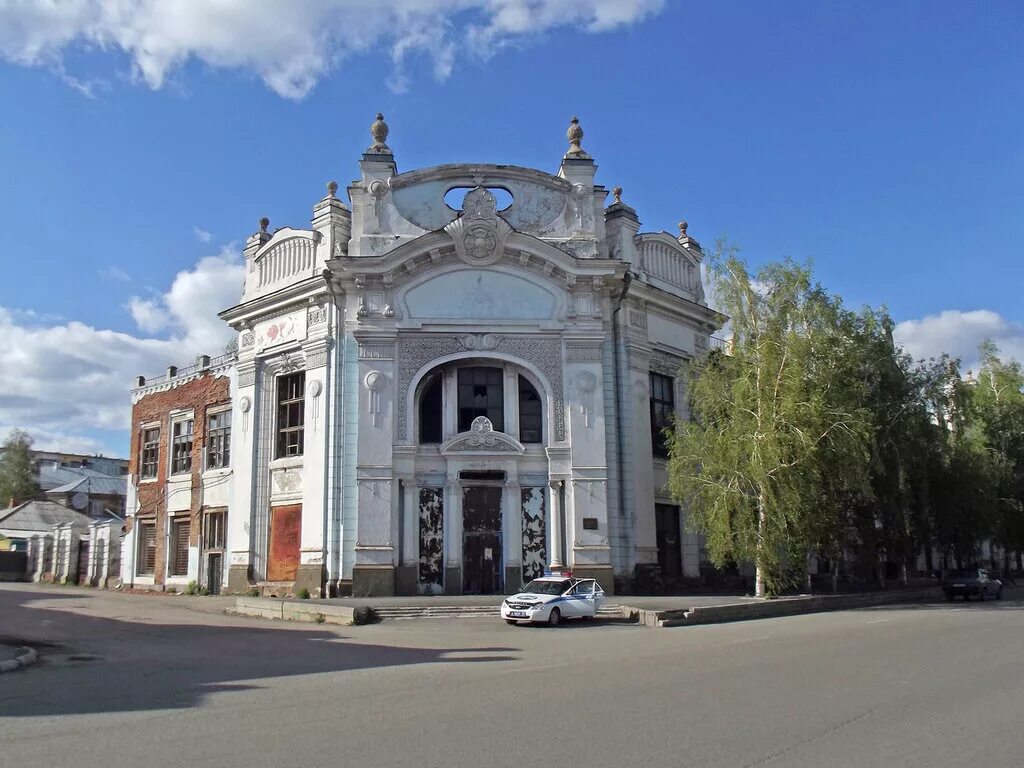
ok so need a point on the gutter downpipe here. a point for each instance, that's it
(627, 280)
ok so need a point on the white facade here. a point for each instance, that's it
(411, 343)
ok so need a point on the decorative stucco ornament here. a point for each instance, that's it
(575, 136)
(379, 130)
(332, 188)
(479, 233)
(617, 194)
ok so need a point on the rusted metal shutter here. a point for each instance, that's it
(181, 533)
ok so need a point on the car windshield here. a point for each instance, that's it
(539, 587)
(964, 574)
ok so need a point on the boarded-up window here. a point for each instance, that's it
(146, 564)
(180, 530)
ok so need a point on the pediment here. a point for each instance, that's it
(481, 439)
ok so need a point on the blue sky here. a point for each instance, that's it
(885, 141)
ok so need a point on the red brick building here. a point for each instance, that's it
(180, 478)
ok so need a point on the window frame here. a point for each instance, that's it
(181, 462)
(222, 434)
(153, 460)
(520, 380)
(287, 446)
(215, 534)
(490, 409)
(662, 409)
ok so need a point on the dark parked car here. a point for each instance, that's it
(972, 582)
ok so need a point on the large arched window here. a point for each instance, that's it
(481, 393)
(431, 410)
(531, 421)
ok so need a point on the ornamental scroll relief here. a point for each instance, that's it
(545, 354)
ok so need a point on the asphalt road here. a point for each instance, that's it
(152, 681)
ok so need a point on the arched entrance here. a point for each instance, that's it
(480, 426)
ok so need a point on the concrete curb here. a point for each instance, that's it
(767, 609)
(300, 610)
(27, 657)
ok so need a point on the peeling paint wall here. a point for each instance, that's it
(431, 577)
(534, 535)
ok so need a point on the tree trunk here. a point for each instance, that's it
(1020, 565)
(904, 579)
(880, 566)
(762, 524)
(835, 575)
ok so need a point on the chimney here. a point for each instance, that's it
(140, 381)
(172, 371)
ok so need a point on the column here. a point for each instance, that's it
(453, 537)
(244, 471)
(555, 536)
(512, 528)
(407, 576)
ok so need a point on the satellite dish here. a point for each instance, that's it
(80, 500)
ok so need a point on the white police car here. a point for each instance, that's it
(550, 599)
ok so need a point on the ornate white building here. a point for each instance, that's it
(434, 400)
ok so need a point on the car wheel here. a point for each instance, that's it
(554, 618)
(513, 622)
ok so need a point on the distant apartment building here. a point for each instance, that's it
(180, 473)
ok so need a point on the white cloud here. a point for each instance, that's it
(289, 46)
(62, 381)
(202, 235)
(959, 333)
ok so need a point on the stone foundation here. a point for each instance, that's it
(453, 580)
(513, 579)
(373, 581)
(406, 580)
(311, 578)
(603, 574)
(238, 580)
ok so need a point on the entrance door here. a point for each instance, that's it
(214, 572)
(482, 570)
(82, 576)
(670, 553)
(285, 529)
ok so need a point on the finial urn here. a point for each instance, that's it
(617, 194)
(575, 136)
(379, 131)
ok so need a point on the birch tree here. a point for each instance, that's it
(767, 417)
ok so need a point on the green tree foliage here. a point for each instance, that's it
(767, 417)
(817, 435)
(16, 478)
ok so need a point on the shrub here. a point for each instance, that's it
(319, 618)
(192, 588)
(303, 594)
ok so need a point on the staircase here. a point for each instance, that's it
(463, 612)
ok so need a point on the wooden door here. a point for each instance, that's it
(482, 572)
(285, 533)
(670, 549)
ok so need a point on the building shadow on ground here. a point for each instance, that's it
(147, 666)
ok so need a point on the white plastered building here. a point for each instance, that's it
(435, 398)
